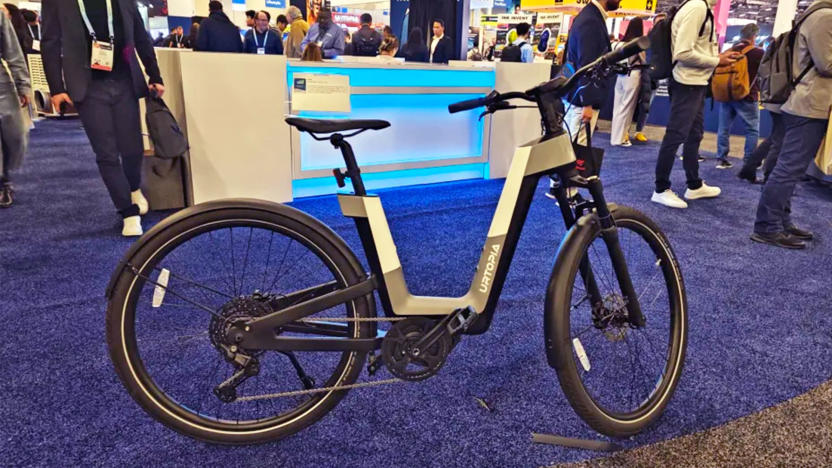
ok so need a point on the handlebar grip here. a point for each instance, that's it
(469, 104)
(627, 50)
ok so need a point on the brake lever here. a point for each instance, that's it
(497, 106)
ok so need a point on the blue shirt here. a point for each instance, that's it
(332, 43)
(526, 51)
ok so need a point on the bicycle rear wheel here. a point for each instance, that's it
(186, 283)
(618, 378)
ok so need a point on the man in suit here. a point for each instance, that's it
(217, 33)
(94, 67)
(441, 46)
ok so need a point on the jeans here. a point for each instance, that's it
(749, 113)
(645, 100)
(801, 142)
(110, 114)
(685, 125)
(768, 150)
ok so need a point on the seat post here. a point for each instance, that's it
(353, 172)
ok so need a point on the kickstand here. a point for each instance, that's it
(308, 382)
(586, 444)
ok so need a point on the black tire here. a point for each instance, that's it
(603, 390)
(161, 381)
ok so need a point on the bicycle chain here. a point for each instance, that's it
(318, 390)
(310, 391)
(347, 319)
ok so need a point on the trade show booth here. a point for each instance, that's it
(232, 109)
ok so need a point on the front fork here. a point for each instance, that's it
(610, 235)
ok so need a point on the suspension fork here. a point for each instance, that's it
(619, 263)
(570, 218)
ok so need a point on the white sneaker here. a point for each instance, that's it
(705, 191)
(668, 198)
(132, 226)
(138, 199)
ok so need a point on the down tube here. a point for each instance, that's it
(515, 227)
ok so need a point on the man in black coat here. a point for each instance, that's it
(262, 39)
(588, 40)
(441, 46)
(366, 41)
(104, 87)
(217, 33)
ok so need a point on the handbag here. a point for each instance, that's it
(588, 159)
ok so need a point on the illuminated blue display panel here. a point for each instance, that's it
(422, 131)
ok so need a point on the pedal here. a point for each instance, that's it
(461, 320)
(374, 364)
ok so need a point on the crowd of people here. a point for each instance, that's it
(294, 37)
(104, 88)
(799, 123)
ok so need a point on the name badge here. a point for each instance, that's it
(102, 56)
(36, 45)
(261, 51)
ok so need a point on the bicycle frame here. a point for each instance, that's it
(547, 155)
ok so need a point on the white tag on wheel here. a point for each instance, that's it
(161, 288)
(102, 56)
(579, 350)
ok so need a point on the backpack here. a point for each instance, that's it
(660, 54)
(512, 53)
(732, 82)
(367, 45)
(168, 140)
(777, 80)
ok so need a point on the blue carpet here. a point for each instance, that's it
(760, 325)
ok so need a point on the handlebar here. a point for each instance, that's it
(557, 85)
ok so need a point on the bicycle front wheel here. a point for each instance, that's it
(188, 281)
(618, 378)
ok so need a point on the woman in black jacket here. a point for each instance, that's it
(415, 50)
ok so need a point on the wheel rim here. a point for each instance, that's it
(628, 373)
(164, 349)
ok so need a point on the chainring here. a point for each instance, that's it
(407, 363)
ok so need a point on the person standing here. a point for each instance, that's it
(627, 89)
(328, 35)
(262, 40)
(89, 52)
(695, 55)
(441, 47)
(190, 41)
(281, 22)
(217, 33)
(176, 40)
(805, 119)
(647, 92)
(588, 40)
(297, 32)
(14, 94)
(366, 41)
(250, 17)
(748, 108)
(415, 49)
(32, 25)
(520, 50)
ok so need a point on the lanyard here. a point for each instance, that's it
(87, 20)
(32, 32)
(265, 38)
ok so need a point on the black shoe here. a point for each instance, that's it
(750, 176)
(799, 233)
(778, 239)
(6, 196)
(551, 193)
(701, 158)
(724, 164)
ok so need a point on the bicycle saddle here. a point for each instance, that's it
(335, 125)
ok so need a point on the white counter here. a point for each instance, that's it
(233, 107)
